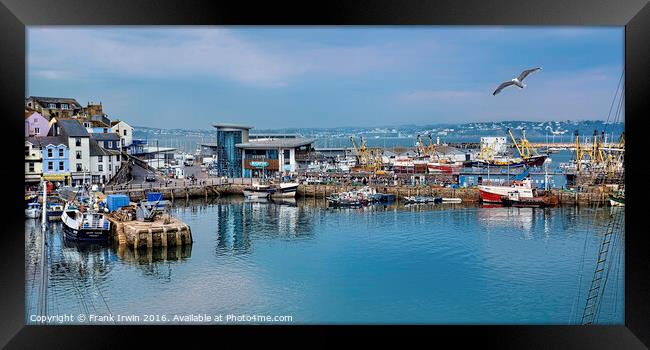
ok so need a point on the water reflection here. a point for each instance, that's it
(151, 255)
(239, 222)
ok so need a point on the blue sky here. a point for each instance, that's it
(276, 77)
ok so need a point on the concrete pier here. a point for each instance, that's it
(159, 233)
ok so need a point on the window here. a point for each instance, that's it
(100, 167)
(49, 153)
(100, 159)
(109, 144)
(78, 154)
(37, 130)
(78, 166)
(51, 105)
(110, 167)
(64, 106)
(105, 130)
(50, 165)
(61, 166)
(27, 151)
(60, 152)
(77, 142)
(31, 167)
(124, 132)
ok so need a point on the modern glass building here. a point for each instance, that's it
(229, 157)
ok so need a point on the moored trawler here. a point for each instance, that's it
(495, 194)
(83, 220)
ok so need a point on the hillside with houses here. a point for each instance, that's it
(67, 143)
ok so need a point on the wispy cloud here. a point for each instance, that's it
(208, 52)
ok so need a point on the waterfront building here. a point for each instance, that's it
(55, 158)
(157, 157)
(78, 147)
(104, 163)
(36, 125)
(229, 157)
(124, 130)
(275, 157)
(108, 140)
(33, 161)
(50, 107)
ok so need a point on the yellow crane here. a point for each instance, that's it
(523, 147)
(367, 159)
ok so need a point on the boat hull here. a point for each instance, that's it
(256, 193)
(86, 235)
(285, 192)
(32, 213)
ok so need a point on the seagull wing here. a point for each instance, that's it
(501, 87)
(527, 72)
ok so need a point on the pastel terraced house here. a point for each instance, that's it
(36, 125)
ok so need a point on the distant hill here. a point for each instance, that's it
(533, 129)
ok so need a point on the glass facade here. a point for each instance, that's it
(229, 157)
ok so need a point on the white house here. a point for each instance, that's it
(104, 163)
(33, 161)
(78, 147)
(124, 130)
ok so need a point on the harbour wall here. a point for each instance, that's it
(593, 195)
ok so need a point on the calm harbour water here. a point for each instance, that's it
(444, 264)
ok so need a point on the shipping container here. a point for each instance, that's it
(117, 201)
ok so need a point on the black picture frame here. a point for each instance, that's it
(15, 15)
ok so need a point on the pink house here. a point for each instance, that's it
(36, 125)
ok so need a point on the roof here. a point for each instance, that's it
(208, 144)
(43, 141)
(447, 150)
(97, 150)
(31, 113)
(67, 100)
(109, 136)
(72, 128)
(276, 143)
(231, 126)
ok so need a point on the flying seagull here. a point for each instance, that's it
(517, 81)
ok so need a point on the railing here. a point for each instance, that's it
(182, 184)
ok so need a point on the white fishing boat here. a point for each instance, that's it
(83, 220)
(452, 200)
(33, 211)
(257, 191)
(284, 190)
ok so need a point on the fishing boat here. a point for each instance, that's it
(422, 199)
(81, 223)
(495, 194)
(452, 200)
(284, 190)
(355, 198)
(33, 210)
(83, 219)
(514, 199)
(257, 191)
(532, 161)
(54, 211)
(444, 167)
